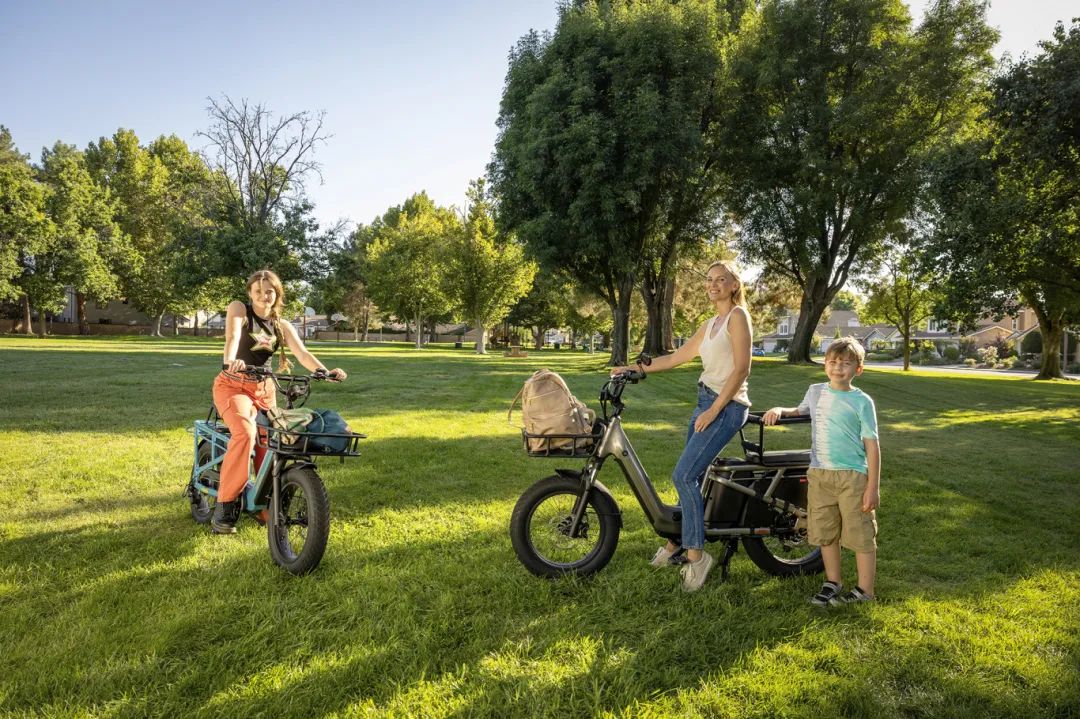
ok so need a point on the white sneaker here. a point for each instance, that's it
(660, 559)
(694, 573)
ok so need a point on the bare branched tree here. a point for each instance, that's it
(264, 161)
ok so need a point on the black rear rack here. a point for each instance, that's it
(559, 445)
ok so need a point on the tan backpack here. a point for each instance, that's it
(548, 407)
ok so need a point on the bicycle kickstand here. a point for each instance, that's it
(729, 552)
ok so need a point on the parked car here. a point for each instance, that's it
(757, 352)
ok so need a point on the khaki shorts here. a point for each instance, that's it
(834, 497)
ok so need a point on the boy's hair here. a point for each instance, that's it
(848, 346)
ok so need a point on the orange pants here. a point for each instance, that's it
(237, 400)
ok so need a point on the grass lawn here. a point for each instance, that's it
(114, 603)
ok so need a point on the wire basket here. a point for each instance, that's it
(291, 441)
(559, 445)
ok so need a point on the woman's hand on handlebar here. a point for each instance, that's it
(237, 366)
(337, 375)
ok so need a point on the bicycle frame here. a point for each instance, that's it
(256, 491)
(665, 518)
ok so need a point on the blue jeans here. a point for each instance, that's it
(701, 449)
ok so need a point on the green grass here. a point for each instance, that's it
(114, 603)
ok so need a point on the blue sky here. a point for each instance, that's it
(411, 88)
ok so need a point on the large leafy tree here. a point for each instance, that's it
(407, 261)
(904, 294)
(488, 270)
(605, 164)
(25, 228)
(164, 204)
(834, 105)
(89, 249)
(1009, 199)
(546, 305)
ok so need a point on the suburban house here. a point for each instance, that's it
(1012, 327)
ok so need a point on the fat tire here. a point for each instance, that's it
(202, 505)
(607, 513)
(777, 566)
(317, 512)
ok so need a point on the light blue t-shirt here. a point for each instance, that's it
(840, 423)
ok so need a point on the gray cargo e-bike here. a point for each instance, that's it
(569, 523)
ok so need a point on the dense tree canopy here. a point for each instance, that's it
(833, 106)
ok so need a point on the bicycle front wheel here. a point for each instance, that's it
(299, 523)
(541, 534)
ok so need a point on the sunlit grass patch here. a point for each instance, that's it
(114, 603)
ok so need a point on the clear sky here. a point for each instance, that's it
(411, 88)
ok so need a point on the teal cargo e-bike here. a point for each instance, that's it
(285, 492)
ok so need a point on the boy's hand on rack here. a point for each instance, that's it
(770, 417)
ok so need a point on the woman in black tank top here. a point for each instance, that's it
(254, 332)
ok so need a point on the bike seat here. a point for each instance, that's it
(790, 458)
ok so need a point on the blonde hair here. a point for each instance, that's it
(846, 346)
(738, 296)
(274, 281)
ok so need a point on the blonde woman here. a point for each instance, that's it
(254, 330)
(723, 343)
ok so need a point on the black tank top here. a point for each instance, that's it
(258, 342)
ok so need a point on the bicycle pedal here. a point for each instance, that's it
(678, 559)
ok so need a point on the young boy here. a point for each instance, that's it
(845, 471)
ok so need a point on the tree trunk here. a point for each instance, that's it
(195, 326)
(658, 294)
(356, 332)
(1052, 333)
(175, 325)
(80, 306)
(42, 329)
(408, 331)
(367, 322)
(620, 314)
(27, 324)
(481, 336)
(538, 336)
(157, 325)
(419, 331)
(907, 350)
(434, 334)
(667, 319)
(814, 301)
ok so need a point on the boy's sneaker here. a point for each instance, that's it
(225, 517)
(694, 573)
(828, 594)
(854, 596)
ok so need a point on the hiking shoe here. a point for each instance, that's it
(694, 573)
(225, 517)
(663, 556)
(828, 594)
(854, 596)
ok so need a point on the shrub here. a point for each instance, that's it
(970, 362)
(988, 355)
(1005, 348)
(1074, 368)
(952, 354)
(968, 348)
(781, 346)
(1008, 362)
(1032, 343)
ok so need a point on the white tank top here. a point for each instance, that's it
(717, 359)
